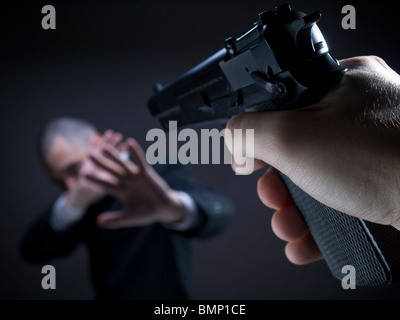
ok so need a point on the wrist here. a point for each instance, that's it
(64, 215)
(76, 201)
(176, 210)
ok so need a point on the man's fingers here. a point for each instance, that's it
(112, 138)
(111, 219)
(107, 181)
(303, 250)
(240, 144)
(122, 219)
(95, 140)
(106, 164)
(107, 135)
(137, 153)
(272, 191)
(119, 159)
(116, 139)
(288, 224)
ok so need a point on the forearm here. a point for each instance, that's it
(47, 238)
(215, 212)
(191, 217)
(64, 215)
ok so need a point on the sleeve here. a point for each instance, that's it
(63, 215)
(215, 211)
(192, 214)
(42, 241)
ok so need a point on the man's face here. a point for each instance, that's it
(64, 161)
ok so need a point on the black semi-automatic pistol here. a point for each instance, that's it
(283, 62)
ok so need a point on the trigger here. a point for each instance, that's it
(276, 89)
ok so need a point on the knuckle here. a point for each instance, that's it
(363, 62)
(371, 62)
(93, 154)
(374, 58)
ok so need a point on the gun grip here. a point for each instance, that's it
(373, 250)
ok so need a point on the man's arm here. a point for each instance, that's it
(148, 196)
(214, 210)
(45, 239)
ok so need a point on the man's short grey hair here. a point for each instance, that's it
(75, 131)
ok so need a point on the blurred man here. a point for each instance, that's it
(136, 220)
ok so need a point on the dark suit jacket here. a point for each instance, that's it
(151, 262)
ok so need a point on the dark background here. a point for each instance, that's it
(100, 64)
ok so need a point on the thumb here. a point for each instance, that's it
(281, 139)
(125, 218)
(110, 219)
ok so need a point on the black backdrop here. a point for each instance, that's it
(100, 64)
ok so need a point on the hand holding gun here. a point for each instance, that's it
(283, 63)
